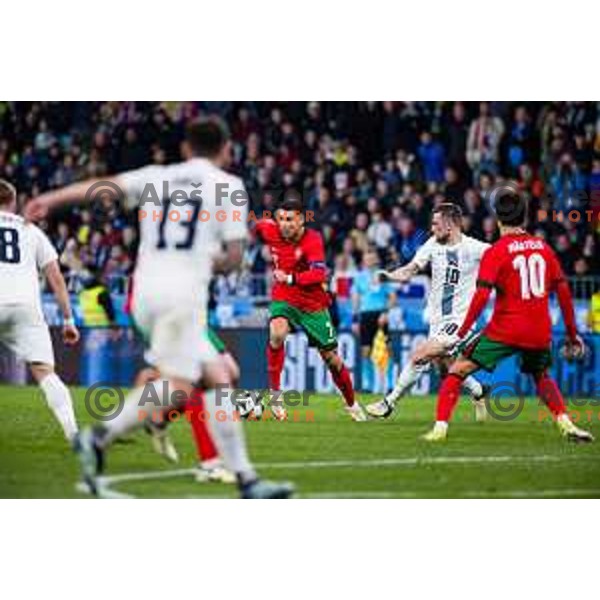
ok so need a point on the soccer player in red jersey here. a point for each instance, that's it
(524, 271)
(300, 300)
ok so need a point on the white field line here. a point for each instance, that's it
(364, 463)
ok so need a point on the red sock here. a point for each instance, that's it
(548, 391)
(448, 396)
(343, 381)
(204, 444)
(275, 360)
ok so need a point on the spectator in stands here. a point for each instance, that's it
(483, 144)
(432, 156)
(361, 166)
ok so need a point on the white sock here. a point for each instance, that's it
(407, 378)
(228, 435)
(473, 386)
(441, 425)
(134, 412)
(59, 400)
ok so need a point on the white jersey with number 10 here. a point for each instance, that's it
(454, 270)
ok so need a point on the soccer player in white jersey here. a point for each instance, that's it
(454, 260)
(25, 252)
(189, 226)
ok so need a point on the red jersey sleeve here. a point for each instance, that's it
(489, 268)
(314, 252)
(555, 272)
(266, 229)
(559, 284)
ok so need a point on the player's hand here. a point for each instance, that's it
(382, 320)
(356, 328)
(35, 210)
(280, 276)
(573, 349)
(70, 334)
(399, 275)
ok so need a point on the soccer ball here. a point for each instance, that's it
(247, 405)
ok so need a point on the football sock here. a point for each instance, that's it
(473, 387)
(343, 381)
(448, 397)
(229, 437)
(197, 416)
(59, 400)
(407, 378)
(275, 360)
(548, 391)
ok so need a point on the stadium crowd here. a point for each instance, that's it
(370, 171)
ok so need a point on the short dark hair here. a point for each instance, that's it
(511, 210)
(292, 202)
(450, 211)
(7, 192)
(207, 136)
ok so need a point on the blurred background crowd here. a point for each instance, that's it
(371, 172)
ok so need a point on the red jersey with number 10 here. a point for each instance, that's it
(305, 260)
(524, 271)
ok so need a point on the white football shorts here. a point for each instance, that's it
(176, 336)
(24, 332)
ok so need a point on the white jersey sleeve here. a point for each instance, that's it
(44, 250)
(424, 254)
(135, 185)
(477, 248)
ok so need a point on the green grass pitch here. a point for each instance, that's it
(323, 452)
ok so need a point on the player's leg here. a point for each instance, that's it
(321, 334)
(282, 318)
(157, 430)
(537, 364)
(279, 328)
(29, 338)
(448, 396)
(477, 391)
(480, 353)
(166, 330)
(210, 467)
(343, 381)
(227, 432)
(57, 396)
(367, 332)
(418, 364)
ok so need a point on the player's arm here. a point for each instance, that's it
(486, 282)
(317, 269)
(57, 284)
(83, 192)
(418, 263)
(478, 303)
(46, 260)
(402, 274)
(574, 346)
(263, 228)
